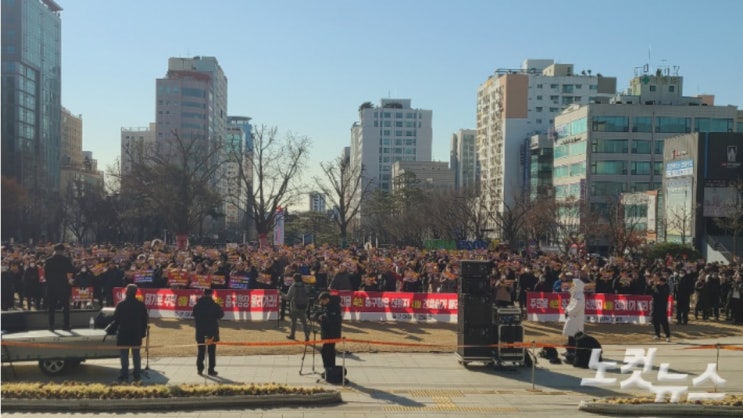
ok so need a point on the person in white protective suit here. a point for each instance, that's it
(575, 317)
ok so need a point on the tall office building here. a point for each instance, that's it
(515, 104)
(392, 131)
(237, 172)
(191, 106)
(602, 150)
(31, 101)
(192, 100)
(72, 139)
(464, 161)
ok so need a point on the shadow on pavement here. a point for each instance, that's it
(388, 397)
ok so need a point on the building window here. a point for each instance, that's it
(671, 89)
(539, 120)
(640, 167)
(539, 86)
(610, 124)
(539, 97)
(713, 125)
(652, 88)
(567, 88)
(641, 146)
(539, 108)
(609, 167)
(554, 109)
(657, 167)
(673, 125)
(555, 98)
(609, 146)
(554, 86)
(642, 124)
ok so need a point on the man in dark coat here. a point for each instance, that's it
(130, 319)
(58, 271)
(660, 292)
(330, 326)
(207, 314)
(682, 292)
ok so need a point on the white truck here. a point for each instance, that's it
(26, 337)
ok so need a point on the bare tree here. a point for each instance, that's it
(176, 178)
(268, 172)
(680, 223)
(345, 188)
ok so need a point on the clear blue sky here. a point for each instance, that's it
(305, 66)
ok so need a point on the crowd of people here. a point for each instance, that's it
(713, 289)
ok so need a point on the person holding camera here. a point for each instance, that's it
(207, 314)
(329, 318)
(297, 298)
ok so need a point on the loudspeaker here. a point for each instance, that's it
(509, 334)
(475, 310)
(477, 268)
(474, 285)
(479, 338)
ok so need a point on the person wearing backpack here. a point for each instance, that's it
(297, 298)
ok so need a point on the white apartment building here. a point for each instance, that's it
(392, 131)
(134, 142)
(603, 150)
(317, 202)
(515, 104)
(463, 159)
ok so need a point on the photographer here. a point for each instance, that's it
(329, 317)
(298, 298)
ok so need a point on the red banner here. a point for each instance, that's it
(399, 306)
(600, 307)
(81, 294)
(262, 305)
(251, 305)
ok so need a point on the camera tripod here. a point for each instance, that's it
(313, 324)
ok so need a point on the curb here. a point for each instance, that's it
(672, 409)
(159, 404)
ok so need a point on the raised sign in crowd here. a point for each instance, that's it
(713, 290)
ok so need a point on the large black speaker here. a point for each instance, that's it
(473, 342)
(474, 285)
(474, 310)
(479, 268)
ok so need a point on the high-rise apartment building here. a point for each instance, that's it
(392, 131)
(602, 150)
(135, 142)
(31, 101)
(464, 161)
(515, 104)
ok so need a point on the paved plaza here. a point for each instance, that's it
(417, 384)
